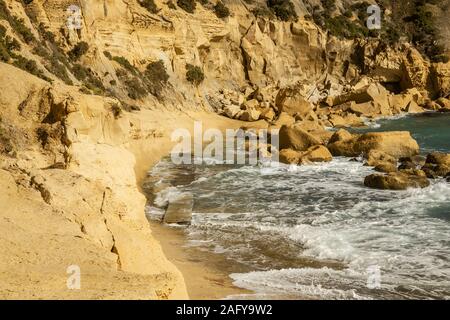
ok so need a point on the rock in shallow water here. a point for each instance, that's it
(314, 154)
(180, 209)
(397, 180)
(294, 137)
(394, 143)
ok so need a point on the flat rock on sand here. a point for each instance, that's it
(180, 210)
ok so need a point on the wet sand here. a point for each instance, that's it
(205, 273)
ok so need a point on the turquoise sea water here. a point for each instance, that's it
(316, 231)
(431, 130)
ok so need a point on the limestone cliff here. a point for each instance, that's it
(85, 110)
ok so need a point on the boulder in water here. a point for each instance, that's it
(376, 158)
(340, 135)
(438, 158)
(386, 167)
(294, 137)
(401, 180)
(394, 143)
(289, 156)
(316, 154)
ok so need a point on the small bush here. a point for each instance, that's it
(89, 79)
(194, 74)
(116, 111)
(29, 66)
(19, 26)
(6, 143)
(187, 5)
(156, 72)
(221, 10)
(79, 72)
(262, 12)
(342, 27)
(12, 44)
(59, 70)
(108, 55)
(171, 5)
(125, 63)
(79, 50)
(283, 9)
(4, 54)
(42, 51)
(149, 5)
(135, 88)
(45, 34)
(157, 77)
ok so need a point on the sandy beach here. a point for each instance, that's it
(205, 273)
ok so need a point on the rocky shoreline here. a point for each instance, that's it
(86, 110)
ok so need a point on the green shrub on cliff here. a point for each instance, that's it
(149, 5)
(156, 76)
(283, 9)
(221, 10)
(79, 50)
(125, 63)
(187, 5)
(135, 88)
(194, 74)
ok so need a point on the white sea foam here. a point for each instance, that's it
(322, 212)
(297, 282)
(170, 194)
